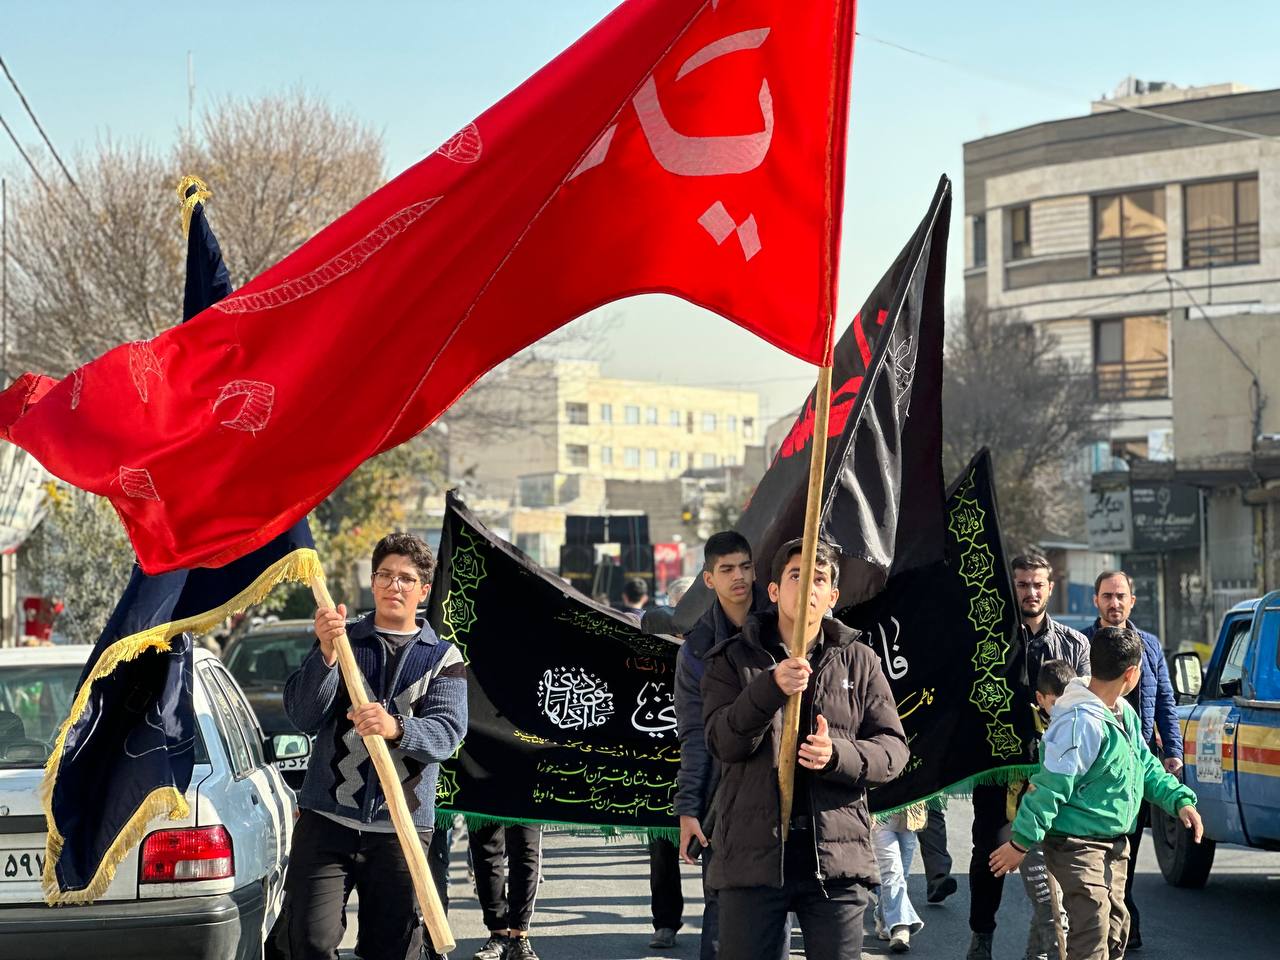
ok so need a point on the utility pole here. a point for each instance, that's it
(4, 283)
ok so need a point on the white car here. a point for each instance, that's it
(211, 885)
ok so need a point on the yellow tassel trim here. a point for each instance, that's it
(202, 194)
(300, 566)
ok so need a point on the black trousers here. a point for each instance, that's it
(666, 898)
(325, 856)
(989, 826)
(506, 896)
(753, 920)
(933, 847)
(1135, 838)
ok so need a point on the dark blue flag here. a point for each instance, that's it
(125, 752)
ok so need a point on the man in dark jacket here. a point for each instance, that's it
(1040, 638)
(1153, 701)
(854, 741)
(729, 572)
(418, 703)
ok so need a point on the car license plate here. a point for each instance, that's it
(292, 763)
(21, 865)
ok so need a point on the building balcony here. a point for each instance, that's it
(1221, 246)
(1112, 258)
(1136, 380)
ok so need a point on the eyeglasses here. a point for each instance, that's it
(394, 581)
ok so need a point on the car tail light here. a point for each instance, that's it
(190, 853)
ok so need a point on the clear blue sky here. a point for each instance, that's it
(419, 71)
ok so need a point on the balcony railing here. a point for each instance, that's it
(1137, 380)
(1129, 255)
(1219, 246)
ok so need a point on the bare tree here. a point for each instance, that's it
(1006, 386)
(102, 265)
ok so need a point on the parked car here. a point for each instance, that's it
(210, 885)
(1230, 717)
(261, 661)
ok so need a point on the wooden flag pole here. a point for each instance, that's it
(812, 513)
(425, 888)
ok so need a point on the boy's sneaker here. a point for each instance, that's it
(493, 948)
(979, 947)
(900, 939)
(519, 948)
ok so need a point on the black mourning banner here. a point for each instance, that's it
(883, 485)
(572, 712)
(945, 635)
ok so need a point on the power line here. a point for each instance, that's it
(34, 169)
(1063, 92)
(32, 114)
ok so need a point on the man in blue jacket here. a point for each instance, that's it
(1153, 701)
(416, 684)
(729, 572)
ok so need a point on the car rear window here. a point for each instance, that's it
(268, 659)
(34, 700)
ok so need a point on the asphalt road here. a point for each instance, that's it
(594, 905)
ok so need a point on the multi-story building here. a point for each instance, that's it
(582, 423)
(1145, 237)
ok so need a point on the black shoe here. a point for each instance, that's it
(941, 889)
(519, 948)
(494, 948)
(979, 947)
(1135, 942)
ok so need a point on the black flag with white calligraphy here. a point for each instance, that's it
(945, 634)
(883, 489)
(572, 716)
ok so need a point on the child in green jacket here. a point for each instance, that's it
(1083, 801)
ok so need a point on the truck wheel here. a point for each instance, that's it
(1183, 862)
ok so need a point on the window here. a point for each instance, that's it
(244, 717)
(606, 413)
(1131, 357)
(730, 460)
(1019, 233)
(708, 423)
(579, 454)
(576, 413)
(1222, 223)
(980, 240)
(731, 423)
(632, 415)
(651, 459)
(631, 457)
(676, 419)
(749, 427)
(606, 456)
(675, 461)
(225, 720)
(651, 416)
(1129, 234)
(1232, 669)
(708, 460)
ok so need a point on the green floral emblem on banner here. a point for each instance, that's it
(989, 654)
(466, 570)
(446, 787)
(968, 520)
(986, 611)
(1004, 740)
(977, 565)
(991, 695)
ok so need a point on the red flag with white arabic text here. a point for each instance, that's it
(692, 147)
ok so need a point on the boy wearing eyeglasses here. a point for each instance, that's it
(418, 702)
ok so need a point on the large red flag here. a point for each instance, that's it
(693, 147)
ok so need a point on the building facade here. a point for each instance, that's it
(1145, 237)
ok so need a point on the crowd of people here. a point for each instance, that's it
(1108, 747)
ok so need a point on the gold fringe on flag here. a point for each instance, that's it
(300, 566)
(202, 194)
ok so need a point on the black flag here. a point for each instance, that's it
(571, 708)
(883, 490)
(945, 634)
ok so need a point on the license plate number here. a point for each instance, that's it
(21, 865)
(292, 763)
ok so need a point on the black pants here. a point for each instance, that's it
(985, 888)
(1135, 838)
(325, 855)
(753, 920)
(933, 847)
(666, 898)
(506, 897)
